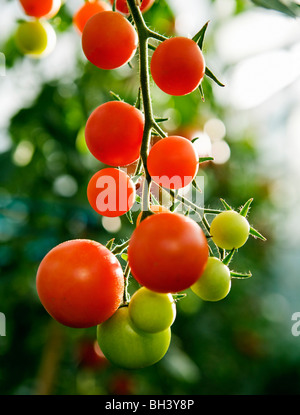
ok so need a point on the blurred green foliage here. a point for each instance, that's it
(217, 348)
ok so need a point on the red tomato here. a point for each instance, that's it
(121, 5)
(111, 192)
(167, 252)
(109, 40)
(177, 66)
(38, 8)
(86, 11)
(80, 283)
(114, 133)
(173, 162)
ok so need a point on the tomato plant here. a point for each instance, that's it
(80, 283)
(111, 192)
(130, 348)
(150, 311)
(114, 133)
(178, 66)
(215, 281)
(109, 40)
(179, 168)
(35, 38)
(167, 252)
(86, 11)
(37, 8)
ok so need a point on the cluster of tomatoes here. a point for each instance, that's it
(80, 282)
(36, 37)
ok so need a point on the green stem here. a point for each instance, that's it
(144, 33)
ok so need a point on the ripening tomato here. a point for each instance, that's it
(109, 40)
(229, 230)
(126, 346)
(121, 5)
(111, 192)
(114, 133)
(36, 38)
(154, 209)
(173, 162)
(150, 311)
(177, 66)
(38, 8)
(167, 253)
(86, 11)
(215, 282)
(80, 283)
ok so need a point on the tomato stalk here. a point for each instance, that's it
(144, 34)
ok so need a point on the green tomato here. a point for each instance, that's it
(126, 346)
(35, 38)
(151, 311)
(215, 282)
(229, 230)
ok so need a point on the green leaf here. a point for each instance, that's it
(209, 73)
(129, 216)
(253, 232)
(195, 139)
(289, 8)
(245, 209)
(160, 119)
(239, 275)
(203, 159)
(199, 36)
(136, 177)
(195, 185)
(125, 257)
(138, 100)
(116, 96)
(201, 92)
(225, 204)
(110, 243)
(229, 257)
(177, 297)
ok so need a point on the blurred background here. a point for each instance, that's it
(244, 343)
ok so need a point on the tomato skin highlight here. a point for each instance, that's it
(109, 40)
(177, 66)
(114, 133)
(111, 192)
(173, 162)
(80, 283)
(86, 11)
(129, 348)
(167, 252)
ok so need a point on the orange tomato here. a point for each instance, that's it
(173, 162)
(114, 133)
(111, 192)
(86, 11)
(109, 40)
(177, 66)
(38, 8)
